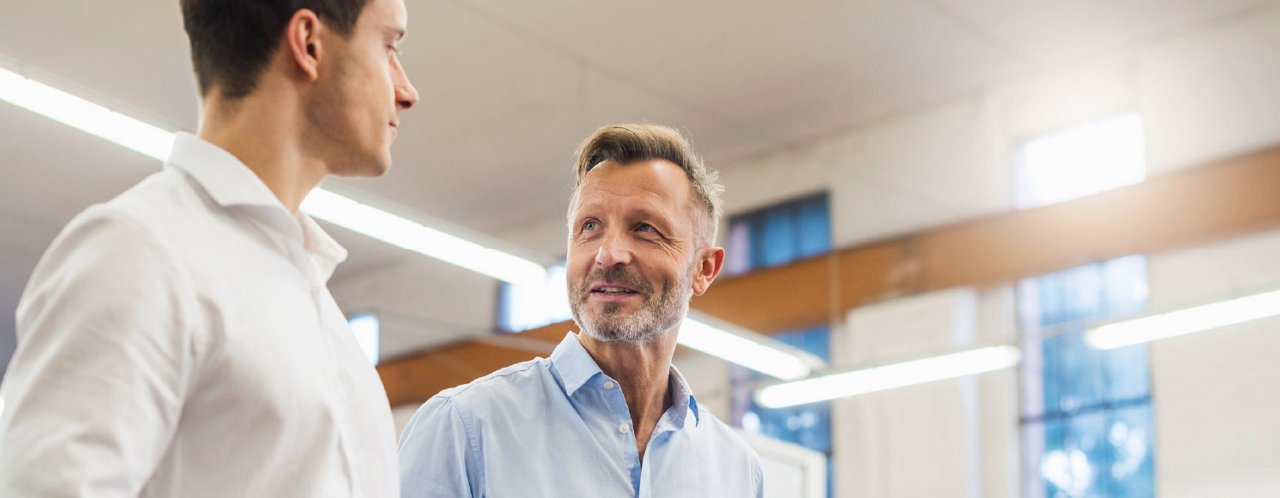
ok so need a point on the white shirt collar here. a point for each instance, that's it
(230, 183)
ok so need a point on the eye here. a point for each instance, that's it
(590, 225)
(645, 228)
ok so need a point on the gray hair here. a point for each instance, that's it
(627, 143)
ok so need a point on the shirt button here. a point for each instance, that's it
(608, 384)
(623, 428)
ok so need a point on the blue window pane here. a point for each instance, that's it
(1126, 373)
(814, 218)
(1090, 434)
(1073, 373)
(774, 243)
(737, 260)
(1130, 442)
(769, 237)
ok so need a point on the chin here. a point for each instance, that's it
(371, 167)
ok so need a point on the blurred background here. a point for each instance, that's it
(905, 179)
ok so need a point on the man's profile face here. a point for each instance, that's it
(631, 243)
(354, 110)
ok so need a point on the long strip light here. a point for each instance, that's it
(419, 238)
(862, 381)
(746, 348)
(741, 347)
(157, 143)
(83, 115)
(1184, 321)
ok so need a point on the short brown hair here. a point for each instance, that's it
(232, 40)
(627, 143)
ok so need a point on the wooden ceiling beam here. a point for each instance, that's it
(1196, 205)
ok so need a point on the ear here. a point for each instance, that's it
(302, 42)
(705, 269)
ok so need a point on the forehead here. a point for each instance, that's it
(652, 183)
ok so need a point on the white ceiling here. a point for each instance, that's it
(510, 87)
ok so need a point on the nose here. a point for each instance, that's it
(614, 251)
(406, 94)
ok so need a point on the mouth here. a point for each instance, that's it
(609, 290)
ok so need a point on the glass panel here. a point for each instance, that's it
(1130, 439)
(737, 260)
(814, 218)
(1075, 452)
(774, 243)
(522, 307)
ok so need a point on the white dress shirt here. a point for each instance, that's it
(179, 341)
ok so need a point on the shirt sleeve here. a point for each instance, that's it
(439, 454)
(97, 383)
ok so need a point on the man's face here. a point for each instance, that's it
(632, 242)
(354, 111)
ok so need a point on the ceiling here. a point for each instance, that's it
(510, 87)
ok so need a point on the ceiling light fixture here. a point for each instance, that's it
(408, 234)
(157, 143)
(83, 115)
(722, 340)
(1184, 321)
(908, 373)
(743, 347)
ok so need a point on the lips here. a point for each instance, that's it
(612, 289)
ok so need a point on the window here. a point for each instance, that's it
(368, 333)
(779, 234)
(522, 307)
(1086, 414)
(769, 237)
(1087, 424)
(1080, 161)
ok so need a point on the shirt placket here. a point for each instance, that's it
(657, 443)
(622, 432)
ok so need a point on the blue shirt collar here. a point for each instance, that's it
(576, 368)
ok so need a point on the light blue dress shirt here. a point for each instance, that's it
(560, 427)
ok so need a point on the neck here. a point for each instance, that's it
(643, 371)
(264, 135)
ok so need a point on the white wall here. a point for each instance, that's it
(1205, 94)
(1215, 411)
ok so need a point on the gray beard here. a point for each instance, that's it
(661, 313)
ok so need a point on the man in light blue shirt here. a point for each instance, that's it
(606, 415)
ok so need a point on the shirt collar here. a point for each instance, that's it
(230, 183)
(577, 368)
(682, 399)
(227, 180)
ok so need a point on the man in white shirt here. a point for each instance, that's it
(179, 340)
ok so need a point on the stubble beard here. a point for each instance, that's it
(661, 311)
(331, 131)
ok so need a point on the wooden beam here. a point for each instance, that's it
(1231, 197)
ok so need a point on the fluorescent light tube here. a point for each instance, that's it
(157, 143)
(86, 116)
(862, 381)
(744, 348)
(1184, 321)
(749, 349)
(416, 237)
